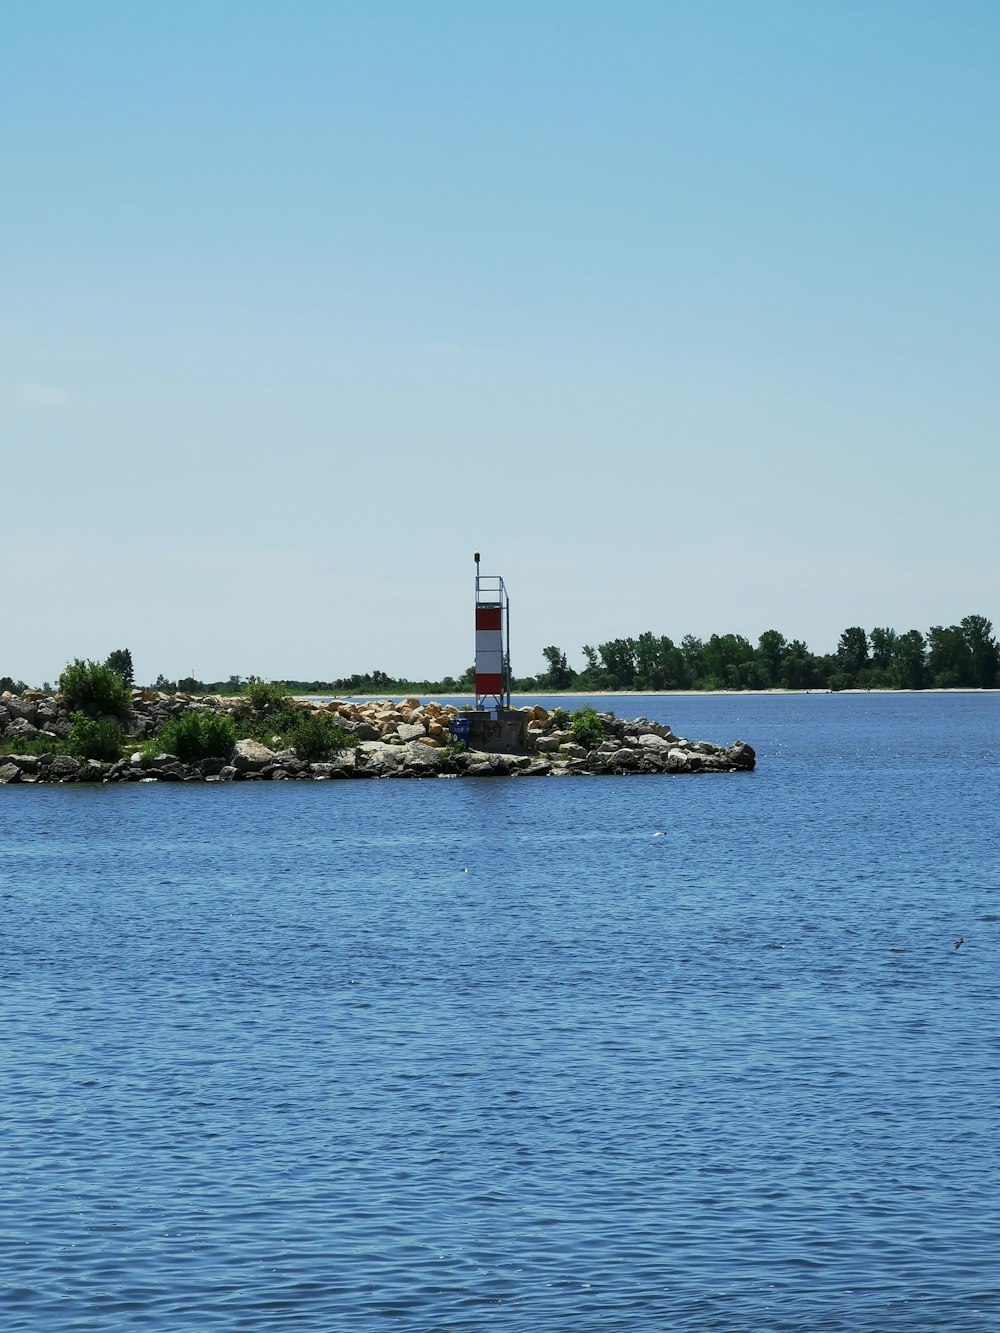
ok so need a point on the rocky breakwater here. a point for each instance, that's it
(381, 739)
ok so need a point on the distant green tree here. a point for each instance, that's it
(121, 661)
(692, 654)
(978, 634)
(911, 661)
(883, 660)
(949, 658)
(618, 659)
(798, 668)
(772, 648)
(559, 673)
(726, 662)
(852, 653)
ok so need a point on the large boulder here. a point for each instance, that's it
(741, 756)
(251, 756)
(377, 760)
(25, 708)
(343, 765)
(422, 760)
(21, 729)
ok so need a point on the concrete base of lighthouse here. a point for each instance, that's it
(507, 733)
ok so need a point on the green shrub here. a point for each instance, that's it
(586, 727)
(316, 735)
(559, 718)
(93, 688)
(268, 697)
(194, 736)
(95, 738)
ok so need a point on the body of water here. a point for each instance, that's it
(643, 1053)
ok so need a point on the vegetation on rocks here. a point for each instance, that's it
(94, 738)
(94, 688)
(587, 727)
(177, 738)
(193, 737)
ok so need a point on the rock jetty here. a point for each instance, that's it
(386, 739)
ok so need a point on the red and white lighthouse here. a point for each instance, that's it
(492, 642)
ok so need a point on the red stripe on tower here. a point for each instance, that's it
(492, 670)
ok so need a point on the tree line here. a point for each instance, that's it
(965, 655)
(962, 656)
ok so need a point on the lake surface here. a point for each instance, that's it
(635, 1053)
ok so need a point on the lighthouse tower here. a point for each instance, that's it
(492, 642)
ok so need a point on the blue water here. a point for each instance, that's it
(643, 1053)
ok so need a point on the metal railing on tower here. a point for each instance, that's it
(492, 642)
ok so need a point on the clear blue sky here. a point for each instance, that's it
(685, 315)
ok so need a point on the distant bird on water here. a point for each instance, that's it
(959, 942)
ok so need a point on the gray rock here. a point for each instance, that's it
(409, 731)
(364, 731)
(548, 744)
(343, 766)
(21, 729)
(626, 758)
(423, 759)
(251, 756)
(740, 755)
(64, 766)
(9, 773)
(377, 760)
(27, 763)
(649, 740)
(25, 708)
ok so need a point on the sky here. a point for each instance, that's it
(684, 315)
